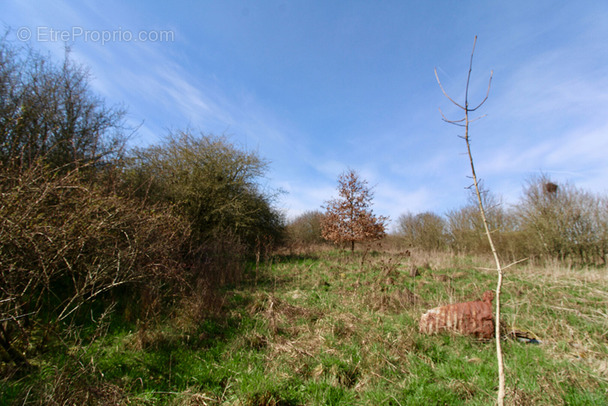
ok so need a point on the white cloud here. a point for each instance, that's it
(301, 198)
(393, 199)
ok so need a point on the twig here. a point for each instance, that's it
(515, 263)
(17, 317)
(383, 377)
(395, 399)
(504, 267)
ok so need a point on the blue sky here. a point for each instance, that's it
(317, 87)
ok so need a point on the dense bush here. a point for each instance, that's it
(85, 227)
(65, 242)
(212, 182)
(564, 222)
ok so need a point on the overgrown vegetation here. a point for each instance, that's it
(164, 275)
(66, 242)
(210, 181)
(88, 228)
(305, 230)
(48, 113)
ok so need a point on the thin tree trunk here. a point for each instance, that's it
(499, 357)
(465, 123)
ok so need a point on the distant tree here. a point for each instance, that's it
(425, 230)
(465, 227)
(306, 228)
(563, 221)
(349, 219)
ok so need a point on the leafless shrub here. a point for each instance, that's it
(48, 112)
(466, 232)
(564, 222)
(426, 231)
(305, 229)
(65, 242)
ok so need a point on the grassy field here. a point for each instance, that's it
(331, 328)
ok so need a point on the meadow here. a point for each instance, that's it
(324, 327)
(163, 275)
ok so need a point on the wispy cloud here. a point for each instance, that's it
(301, 198)
(546, 109)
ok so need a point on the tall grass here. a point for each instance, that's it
(330, 328)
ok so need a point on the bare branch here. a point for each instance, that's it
(454, 122)
(466, 107)
(16, 317)
(477, 118)
(444, 92)
(487, 93)
(466, 93)
(504, 267)
(515, 263)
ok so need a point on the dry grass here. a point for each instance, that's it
(357, 327)
(333, 328)
(567, 309)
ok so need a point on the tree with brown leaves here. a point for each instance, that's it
(349, 219)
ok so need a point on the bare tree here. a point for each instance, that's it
(466, 232)
(48, 112)
(350, 219)
(563, 221)
(306, 228)
(464, 122)
(425, 230)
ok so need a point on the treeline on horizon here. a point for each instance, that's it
(89, 226)
(551, 222)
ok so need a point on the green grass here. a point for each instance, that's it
(331, 329)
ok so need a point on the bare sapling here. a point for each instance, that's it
(464, 122)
